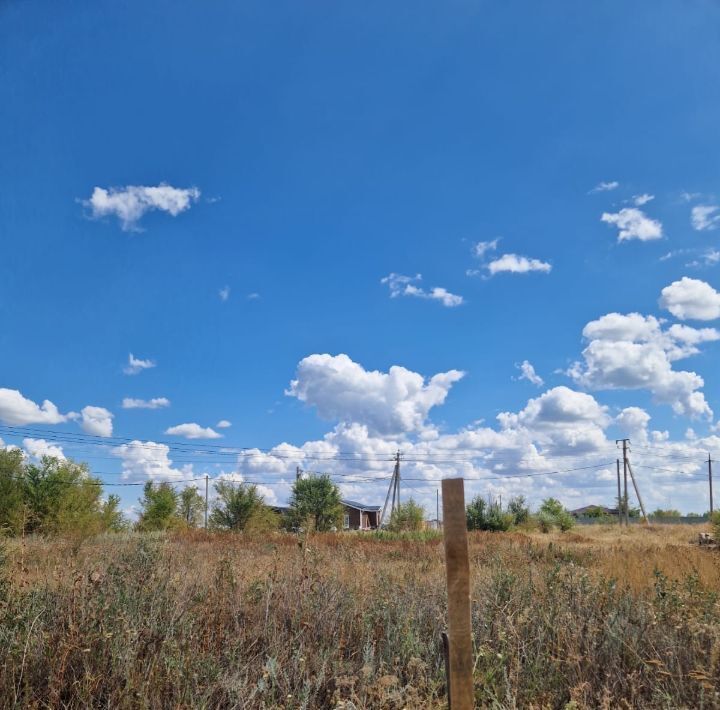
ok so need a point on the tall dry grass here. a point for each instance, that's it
(593, 618)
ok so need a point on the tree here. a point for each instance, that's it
(316, 499)
(235, 506)
(552, 513)
(159, 507)
(669, 513)
(483, 515)
(517, 506)
(112, 518)
(12, 501)
(191, 506)
(408, 517)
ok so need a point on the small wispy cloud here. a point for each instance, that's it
(517, 264)
(154, 403)
(482, 248)
(223, 424)
(224, 293)
(193, 431)
(527, 372)
(253, 296)
(705, 217)
(401, 285)
(130, 203)
(605, 187)
(640, 200)
(136, 365)
(633, 223)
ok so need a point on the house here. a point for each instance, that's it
(357, 516)
(593, 511)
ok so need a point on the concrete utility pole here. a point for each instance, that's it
(206, 500)
(637, 493)
(626, 512)
(619, 498)
(710, 482)
(298, 473)
(393, 489)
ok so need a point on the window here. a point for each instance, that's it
(346, 520)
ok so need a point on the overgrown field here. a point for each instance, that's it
(595, 618)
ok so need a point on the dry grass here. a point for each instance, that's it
(592, 618)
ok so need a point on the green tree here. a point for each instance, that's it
(483, 515)
(518, 508)
(111, 516)
(552, 513)
(61, 497)
(665, 513)
(159, 507)
(191, 506)
(407, 517)
(235, 506)
(316, 499)
(12, 499)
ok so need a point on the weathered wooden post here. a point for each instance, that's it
(457, 566)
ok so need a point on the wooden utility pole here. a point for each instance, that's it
(637, 493)
(710, 482)
(619, 498)
(457, 567)
(206, 500)
(298, 473)
(437, 509)
(393, 489)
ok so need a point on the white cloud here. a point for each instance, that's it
(640, 200)
(223, 424)
(634, 352)
(148, 460)
(154, 403)
(253, 296)
(392, 402)
(224, 293)
(691, 299)
(515, 264)
(633, 224)
(633, 423)
(400, 285)
(96, 421)
(605, 186)
(16, 410)
(136, 365)
(130, 203)
(193, 431)
(527, 372)
(37, 448)
(704, 217)
(481, 248)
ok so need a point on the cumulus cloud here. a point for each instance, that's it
(223, 424)
(633, 423)
(633, 223)
(154, 403)
(193, 431)
(148, 460)
(388, 403)
(17, 410)
(136, 365)
(691, 299)
(515, 264)
(96, 421)
(38, 448)
(605, 186)
(527, 372)
(704, 217)
(130, 203)
(401, 285)
(634, 352)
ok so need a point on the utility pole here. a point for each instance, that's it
(637, 493)
(397, 476)
(437, 508)
(626, 512)
(393, 489)
(710, 482)
(298, 473)
(619, 498)
(206, 500)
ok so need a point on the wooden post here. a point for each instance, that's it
(457, 563)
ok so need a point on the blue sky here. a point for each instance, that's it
(304, 153)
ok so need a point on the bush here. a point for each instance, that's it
(553, 514)
(482, 515)
(715, 522)
(408, 517)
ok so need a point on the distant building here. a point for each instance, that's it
(591, 511)
(358, 516)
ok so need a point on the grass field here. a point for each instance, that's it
(591, 618)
